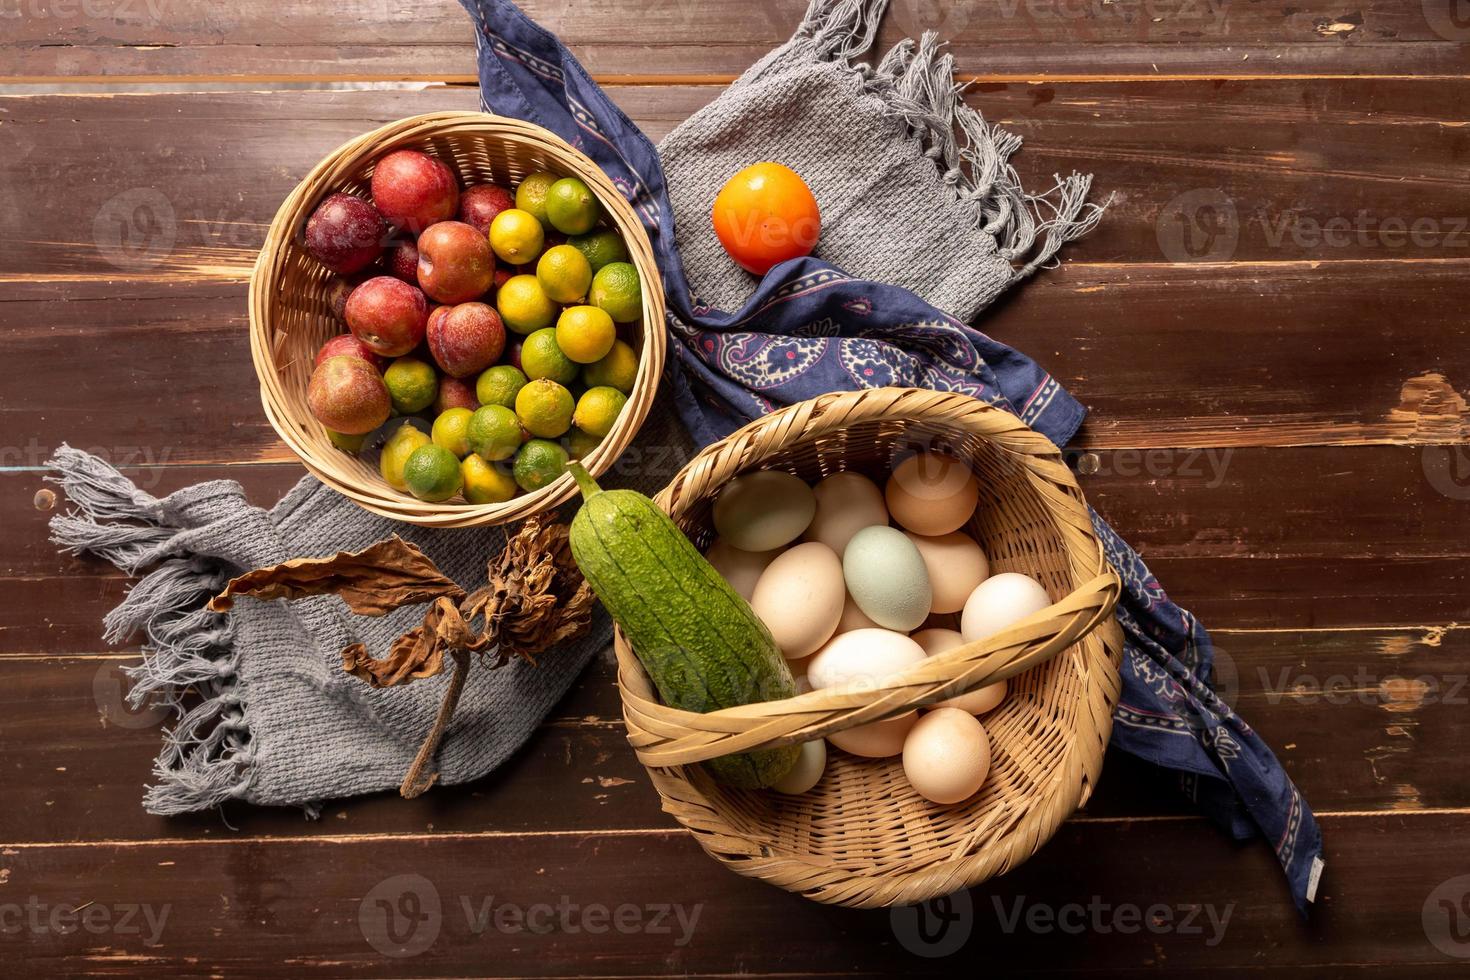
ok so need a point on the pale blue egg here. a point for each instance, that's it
(887, 578)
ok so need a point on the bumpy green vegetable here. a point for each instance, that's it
(698, 639)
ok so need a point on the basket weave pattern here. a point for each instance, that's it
(863, 837)
(290, 319)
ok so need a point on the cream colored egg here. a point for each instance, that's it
(799, 597)
(946, 756)
(846, 503)
(932, 494)
(886, 577)
(879, 740)
(807, 772)
(956, 565)
(763, 510)
(1000, 601)
(742, 569)
(853, 618)
(976, 702)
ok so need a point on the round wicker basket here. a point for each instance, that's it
(290, 319)
(863, 837)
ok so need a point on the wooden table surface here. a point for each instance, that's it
(1270, 328)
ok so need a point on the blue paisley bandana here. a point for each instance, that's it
(810, 328)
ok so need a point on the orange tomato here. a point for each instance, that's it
(765, 215)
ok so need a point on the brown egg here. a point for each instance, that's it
(932, 494)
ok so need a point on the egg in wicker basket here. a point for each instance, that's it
(290, 318)
(863, 837)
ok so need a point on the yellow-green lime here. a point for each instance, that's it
(540, 462)
(545, 408)
(432, 473)
(516, 236)
(451, 430)
(542, 358)
(494, 432)
(585, 333)
(486, 483)
(498, 385)
(615, 288)
(598, 409)
(400, 445)
(619, 369)
(412, 384)
(600, 247)
(524, 305)
(345, 442)
(580, 444)
(531, 195)
(571, 207)
(564, 273)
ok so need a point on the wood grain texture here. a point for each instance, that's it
(399, 39)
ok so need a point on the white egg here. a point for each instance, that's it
(863, 660)
(931, 493)
(878, 740)
(799, 597)
(976, 702)
(887, 578)
(853, 618)
(742, 569)
(1001, 601)
(946, 756)
(846, 503)
(956, 565)
(763, 510)
(807, 772)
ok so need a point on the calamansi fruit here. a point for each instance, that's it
(585, 333)
(564, 273)
(523, 304)
(764, 215)
(516, 236)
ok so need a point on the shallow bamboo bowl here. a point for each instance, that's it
(863, 837)
(289, 317)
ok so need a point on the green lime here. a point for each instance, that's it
(347, 443)
(524, 305)
(542, 358)
(531, 195)
(432, 473)
(615, 288)
(400, 445)
(564, 273)
(598, 410)
(540, 462)
(601, 247)
(619, 369)
(585, 333)
(451, 430)
(571, 207)
(486, 483)
(580, 444)
(494, 432)
(498, 385)
(412, 384)
(516, 236)
(545, 408)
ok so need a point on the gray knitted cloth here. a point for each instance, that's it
(265, 712)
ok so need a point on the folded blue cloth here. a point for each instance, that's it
(810, 328)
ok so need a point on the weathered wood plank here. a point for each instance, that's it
(1100, 900)
(397, 39)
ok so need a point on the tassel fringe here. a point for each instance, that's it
(187, 649)
(916, 84)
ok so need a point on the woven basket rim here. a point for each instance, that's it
(348, 161)
(668, 742)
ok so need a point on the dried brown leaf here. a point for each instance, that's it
(373, 582)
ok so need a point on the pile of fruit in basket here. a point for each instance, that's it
(487, 319)
(812, 588)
